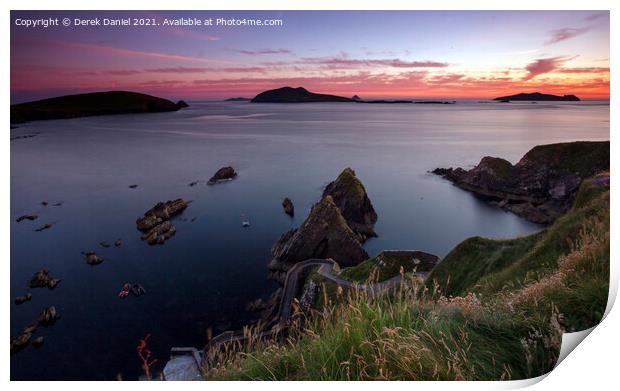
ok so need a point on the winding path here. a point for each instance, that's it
(181, 367)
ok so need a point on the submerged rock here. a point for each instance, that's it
(324, 234)
(350, 197)
(92, 258)
(105, 244)
(38, 342)
(44, 227)
(542, 186)
(223, 174)
(26, 217)
(42, 279)
(288, 206)
(22, 299)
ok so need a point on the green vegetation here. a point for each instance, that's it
(492, 310)
(584, 158)
(388, 264)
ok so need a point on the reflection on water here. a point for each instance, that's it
(205, 275)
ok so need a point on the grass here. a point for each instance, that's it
(388, 264)
(503, 320)
(584, 158)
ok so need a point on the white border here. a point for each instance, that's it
(591, 366)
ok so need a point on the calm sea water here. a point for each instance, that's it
(205, 275)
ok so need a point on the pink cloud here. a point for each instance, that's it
(564, 34)
(336, 62)
(264, 51)
(544, 65)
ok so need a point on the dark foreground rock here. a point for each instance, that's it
(156, 223)
(96, 103)
(324, 234)
(542, 186)
(350, 197)
(42, 279)
(221, 175)
(288, 207)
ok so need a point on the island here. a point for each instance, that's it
(90, 104)
(296, 95)
(537, 96)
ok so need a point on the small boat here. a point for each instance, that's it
(245, 222)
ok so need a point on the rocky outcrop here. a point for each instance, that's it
(541, 186)
(156, 223)
(324, 234)
(42, 279)
(288, 206)
(223, 174)
(350, 197)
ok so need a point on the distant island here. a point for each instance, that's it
(96, 103)
(238, 99)
(538, 96)
(301, 95)
(296, 95)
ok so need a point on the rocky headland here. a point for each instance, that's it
(542, 186)
(96, 103)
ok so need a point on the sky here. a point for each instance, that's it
(373, 54)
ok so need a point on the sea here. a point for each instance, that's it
(201, 280)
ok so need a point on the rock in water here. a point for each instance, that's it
(324, 234)
(26, 217)
(42, 279)
(22, 299)
(542, 186)
(289, 209)
(223, 174)
(48, 316)
(19, 342)
(155, 223)
(350, 197)
(92, 258)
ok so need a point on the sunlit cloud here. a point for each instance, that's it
(544, 65)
